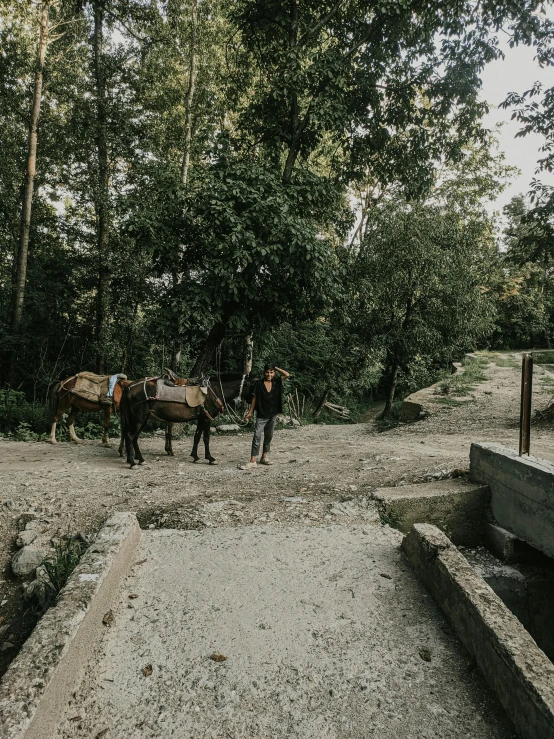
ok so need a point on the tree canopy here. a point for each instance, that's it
(177, 174)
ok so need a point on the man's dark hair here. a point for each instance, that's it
(269, 367)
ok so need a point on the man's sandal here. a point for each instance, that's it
(247, 466)
(266, 461)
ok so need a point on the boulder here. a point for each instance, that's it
(27, 560)
(228, 427)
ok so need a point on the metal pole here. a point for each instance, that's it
(525, 409)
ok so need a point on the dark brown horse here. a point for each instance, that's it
(139, 402)
(62, 400)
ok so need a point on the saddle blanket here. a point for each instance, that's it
(90, 386)
(191, 395)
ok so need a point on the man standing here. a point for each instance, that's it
(268, 402)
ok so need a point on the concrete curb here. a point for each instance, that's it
(454, 505)
(38, 683)
(516, 669)
(522, 492)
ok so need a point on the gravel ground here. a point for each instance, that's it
(321, 474)
(319, 632)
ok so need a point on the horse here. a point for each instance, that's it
(228, 387)
(62, 400)
(139, 401)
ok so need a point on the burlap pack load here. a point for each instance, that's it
(191, 395)
(92, 387)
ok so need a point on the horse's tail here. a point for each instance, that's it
(124, 411)
(53, 401)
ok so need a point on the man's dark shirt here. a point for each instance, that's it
(269, 403)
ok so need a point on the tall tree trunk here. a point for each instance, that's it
(102, 199)
(21, 272)
(294, 145)
(175, 356)
(190, 95)
(392, 388)
(248, 355)
(395, 364)
(207, 351)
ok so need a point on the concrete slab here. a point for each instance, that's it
(518, 671)
(522, 492)
(264, 632)
(455, 506)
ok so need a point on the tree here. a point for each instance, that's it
(419, 285)
(394, 85)
(525, 284)
(21, 272)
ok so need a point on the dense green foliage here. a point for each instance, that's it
(309, 173)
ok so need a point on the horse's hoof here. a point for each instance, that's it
(106, 444)
(213, 461)
(53, 441)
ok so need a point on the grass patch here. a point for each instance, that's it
(500, 359)
(460, 384)
(391, 518)
(67, 553)
(452, 402)
(542, 357)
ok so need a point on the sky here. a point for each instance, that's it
(515, 73)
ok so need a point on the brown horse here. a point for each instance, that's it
(62, 400)
(140, 400)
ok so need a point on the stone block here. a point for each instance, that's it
(500, 542)
(455, 506)
(522, 492)
(516, 669)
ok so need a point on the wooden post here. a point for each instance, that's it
(525, 410)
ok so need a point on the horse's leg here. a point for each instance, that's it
(132, 431)
(71, 427)
(207, 428)
(107, 415)
(59, 407)
(169, 439)
(136, 449)
(56, 418)
(197, 435)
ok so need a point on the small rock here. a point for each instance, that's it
(26, 537)
(108, 618)
(229, 427)
(39, 589)
(27, 560)
(6, 645)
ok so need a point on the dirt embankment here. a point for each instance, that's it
(320, 474)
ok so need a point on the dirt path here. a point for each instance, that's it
(320, 474)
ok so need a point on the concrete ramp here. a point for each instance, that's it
(313, 632)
